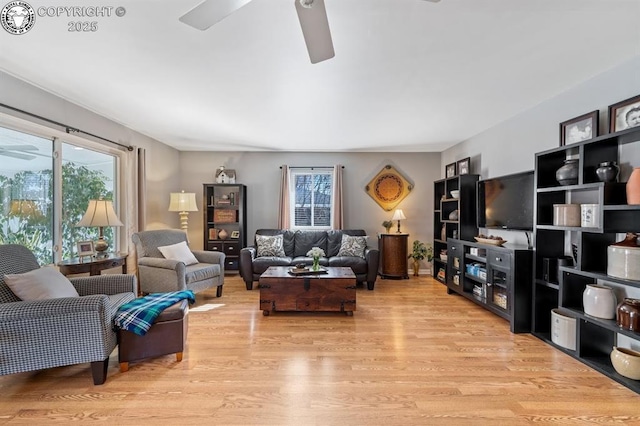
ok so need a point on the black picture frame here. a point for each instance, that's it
(621, 112)
(578, 129)
(464, 166)
(450, 170)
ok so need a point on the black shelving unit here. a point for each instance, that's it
(595, 337)
(464, 228)
(501, 283)
(225, 220)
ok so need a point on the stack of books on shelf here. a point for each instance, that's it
(227, 199)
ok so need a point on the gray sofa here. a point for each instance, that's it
(298, 243)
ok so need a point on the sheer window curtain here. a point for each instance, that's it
(136, 200)
(337, 220)
(284, 219)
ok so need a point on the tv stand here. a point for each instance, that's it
(496, 278)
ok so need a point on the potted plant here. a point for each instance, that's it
(387, 225)
(420, 252)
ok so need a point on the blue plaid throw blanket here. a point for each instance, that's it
(138, 315)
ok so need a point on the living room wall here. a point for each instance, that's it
(510, 146)
(162, 161)
(261, 172)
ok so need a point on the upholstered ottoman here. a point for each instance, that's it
(167, 335)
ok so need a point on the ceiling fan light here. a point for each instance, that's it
(306, 3)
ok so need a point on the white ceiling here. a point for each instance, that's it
(408, 75)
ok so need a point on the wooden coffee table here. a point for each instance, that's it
(333, 291)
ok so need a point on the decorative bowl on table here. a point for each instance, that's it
(491, 241)
(455, 193)
(300, 267)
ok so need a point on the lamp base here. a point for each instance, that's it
(184, 221)
(101, 246)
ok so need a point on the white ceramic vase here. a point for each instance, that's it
(599, 301)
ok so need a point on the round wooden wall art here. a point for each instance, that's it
(388, 188)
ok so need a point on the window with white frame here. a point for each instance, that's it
(42, 199)
(311, 205)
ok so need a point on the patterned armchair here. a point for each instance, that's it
(63, 331)
(160, 275)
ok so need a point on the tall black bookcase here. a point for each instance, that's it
(464, 227)
(225, 220)
(594, 337)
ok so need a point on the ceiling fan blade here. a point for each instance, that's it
(315, 28)
(20, 147)
(211, 12)
(17, 155)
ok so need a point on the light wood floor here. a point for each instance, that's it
(410, 355)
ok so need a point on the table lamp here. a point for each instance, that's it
(100, 213)
(183, 202)
(25, 208)
(398, 215)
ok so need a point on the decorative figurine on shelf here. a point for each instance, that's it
(225, 175)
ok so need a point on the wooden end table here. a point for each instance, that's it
(393, 256)
(93, 265)
(333, 291)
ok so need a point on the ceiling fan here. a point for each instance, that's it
(311, 13)
(9, 151)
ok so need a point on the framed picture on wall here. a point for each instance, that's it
(624, 115)
(579, 129)
(450, 170)
(464, 166)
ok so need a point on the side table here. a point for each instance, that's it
(393, 256)
(93, 265)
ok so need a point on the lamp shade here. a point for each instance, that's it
(398, 215)
(183, 202)
(25, 208)
(100, 213)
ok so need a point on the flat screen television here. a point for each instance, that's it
(506, 202)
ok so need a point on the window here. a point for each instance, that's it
(86, 175)
(42, 199)
(26, 192)
(311, 198)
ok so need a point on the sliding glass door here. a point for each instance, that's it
(26, 192)
(45, 188)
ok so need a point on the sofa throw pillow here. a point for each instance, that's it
(179, 252)
(40, 284)
(353, 246)
(270, 245)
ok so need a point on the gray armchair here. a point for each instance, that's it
(160, 275)
(64, 331)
